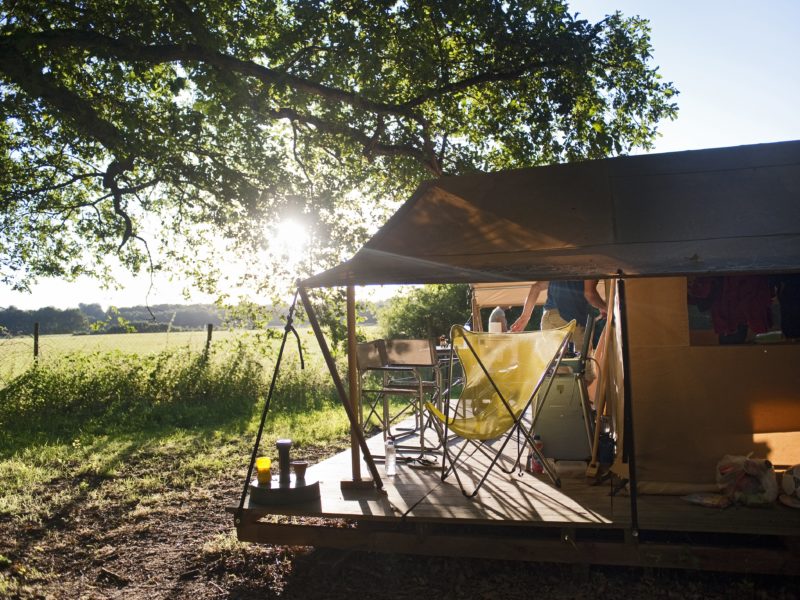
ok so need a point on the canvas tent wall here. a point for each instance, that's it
(727, 210)
(512, 293)
(694, 404)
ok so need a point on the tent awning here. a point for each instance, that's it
(725, 210)
(509, 293)
(502, 294)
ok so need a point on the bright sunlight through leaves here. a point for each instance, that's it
(288, 240)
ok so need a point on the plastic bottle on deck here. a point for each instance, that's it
(534, 465)
(390, 462)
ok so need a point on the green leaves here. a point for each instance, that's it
(228, 113)
(426, 312)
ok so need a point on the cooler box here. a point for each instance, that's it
(561, 423)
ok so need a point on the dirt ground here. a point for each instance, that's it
(185, 548)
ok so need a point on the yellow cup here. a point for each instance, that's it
(264, 469)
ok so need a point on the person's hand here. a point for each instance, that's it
(518, 326)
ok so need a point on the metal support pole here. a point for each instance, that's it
(628, 448)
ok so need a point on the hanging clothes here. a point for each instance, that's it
(736, 302)
(789, 298)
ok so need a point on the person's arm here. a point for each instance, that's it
(593, 296)
(530, 304)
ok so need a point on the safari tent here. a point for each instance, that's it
(653, 221)
(649, 225)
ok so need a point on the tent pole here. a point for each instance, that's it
(628, 450)
(602, 380)
(352, 372)
(477, 324)
(323, 346)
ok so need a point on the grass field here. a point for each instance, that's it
(16, 353)
(118, 454)
(116, 466)
(126, 431)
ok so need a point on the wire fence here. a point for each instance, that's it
(19, 352)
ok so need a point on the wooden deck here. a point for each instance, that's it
(525, 517)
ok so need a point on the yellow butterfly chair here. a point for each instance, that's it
(502, 374)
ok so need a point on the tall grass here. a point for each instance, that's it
(85, 417)
(16, 353)
(116, 392)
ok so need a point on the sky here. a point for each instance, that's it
(733, 61)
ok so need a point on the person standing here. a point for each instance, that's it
(530, 303)
(566, 300)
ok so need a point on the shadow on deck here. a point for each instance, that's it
(524, 517)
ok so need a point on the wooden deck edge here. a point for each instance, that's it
(567, 549)
(255, 512)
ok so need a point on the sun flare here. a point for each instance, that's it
(288, 240)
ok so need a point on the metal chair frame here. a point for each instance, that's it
(518, 428)
(402, 374)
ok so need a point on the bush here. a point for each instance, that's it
(114, 394)
(425, 312)
(117, 392)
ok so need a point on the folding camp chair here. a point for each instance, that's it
(502, 374)
(407, 368)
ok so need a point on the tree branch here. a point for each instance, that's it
(127, 49)
(115, 169)
(63, 184)
(359, 136)
(27, 72)
(469, 82)
(297, 157)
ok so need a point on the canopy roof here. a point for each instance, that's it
(502, 294)
(724, 210)
(509, 293)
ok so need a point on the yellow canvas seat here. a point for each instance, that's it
(502, 373)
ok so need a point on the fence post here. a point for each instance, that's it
(209, 329)
(36, 341)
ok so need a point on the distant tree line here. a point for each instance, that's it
(51, 320)
(92, 318)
